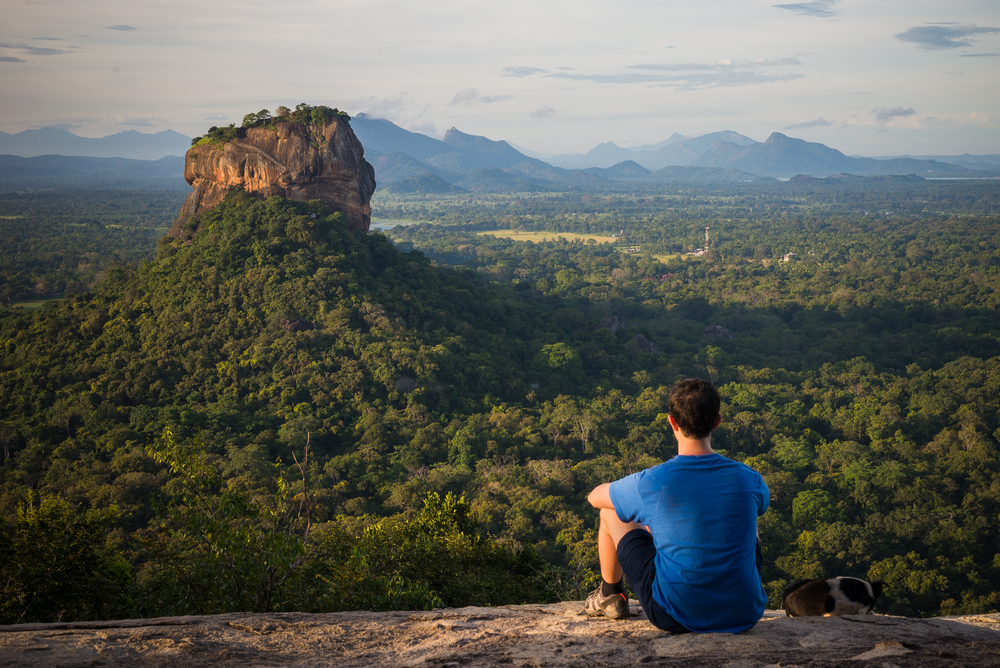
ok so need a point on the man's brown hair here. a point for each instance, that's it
(694, 404)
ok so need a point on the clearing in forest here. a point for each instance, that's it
(549, 236)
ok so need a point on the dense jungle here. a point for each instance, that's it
(280, 415)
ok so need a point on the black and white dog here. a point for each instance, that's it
(830, 597)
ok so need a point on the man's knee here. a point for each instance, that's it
(611, 523)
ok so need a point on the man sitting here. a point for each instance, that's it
(684, 531)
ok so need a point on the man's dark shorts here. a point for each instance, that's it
(637, 556)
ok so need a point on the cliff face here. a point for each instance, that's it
(294, 161)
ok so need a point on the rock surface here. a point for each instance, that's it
(528, 635)
(293, 161)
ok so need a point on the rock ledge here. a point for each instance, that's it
(528, 635)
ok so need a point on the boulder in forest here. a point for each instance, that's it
(611, 323)
(642, 344)
(713, 331)
(296, 325)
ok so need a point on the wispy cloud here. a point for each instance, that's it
(979, 55)
(216, 117)
(721, 65)
(822, 8)
(471, 95)
(74, 123)
(122, 27)
(11, 59)
(885, 116)
(815, 123)
(517, 71)
(690, 81)
(691, 76)
(393, 108)
(543, 113)
(131, 120)
(29, 50)
(936, 37)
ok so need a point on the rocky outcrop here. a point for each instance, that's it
(713, 331)
(527, 635)
(294, 161)
(642, 344)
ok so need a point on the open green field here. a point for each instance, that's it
(548, 236)
(33, 303)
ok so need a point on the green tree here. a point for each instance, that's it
(56, 566)
(220, 548)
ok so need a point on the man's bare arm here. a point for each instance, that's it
(600, 497)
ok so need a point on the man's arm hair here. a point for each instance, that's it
(600, 497)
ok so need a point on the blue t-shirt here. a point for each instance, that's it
(702, 513)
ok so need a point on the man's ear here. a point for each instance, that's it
(718, 421)
(673, 423)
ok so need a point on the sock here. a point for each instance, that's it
(609, 588)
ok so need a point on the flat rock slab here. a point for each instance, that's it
(523, 636)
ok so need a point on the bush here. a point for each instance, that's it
(54, 566)
(434, 560)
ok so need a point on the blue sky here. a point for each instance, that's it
(868, 77)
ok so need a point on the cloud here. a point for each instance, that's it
(973, 120)
(518, 71)
(695, 76)
(689, 81)
(816, 123)
(471, 95)
(466, 96)
(389, 108)
(29, 50)
(979, 55)
(820, 8)
(131, 120)
(936, 37)
(543, 112)
(122, 27)
(399, 109)
(722, 65)
(885, 116)
(216, 117)
(11, 59)
(73, 123)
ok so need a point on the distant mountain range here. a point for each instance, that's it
(458, 161)
(128, 144)
(678, 150)
(410, 162)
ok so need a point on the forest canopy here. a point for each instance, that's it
(459, 394)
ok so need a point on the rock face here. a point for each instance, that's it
(718, 330)
(293, 161)
(525, 636)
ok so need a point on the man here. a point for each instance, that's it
(685, 531)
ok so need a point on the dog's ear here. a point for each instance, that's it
(877, 589)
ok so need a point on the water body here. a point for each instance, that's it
(962, 178)
(389, 223)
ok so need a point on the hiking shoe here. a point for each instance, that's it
(614, 606)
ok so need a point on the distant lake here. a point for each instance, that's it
(961, 178)
(389, 223)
